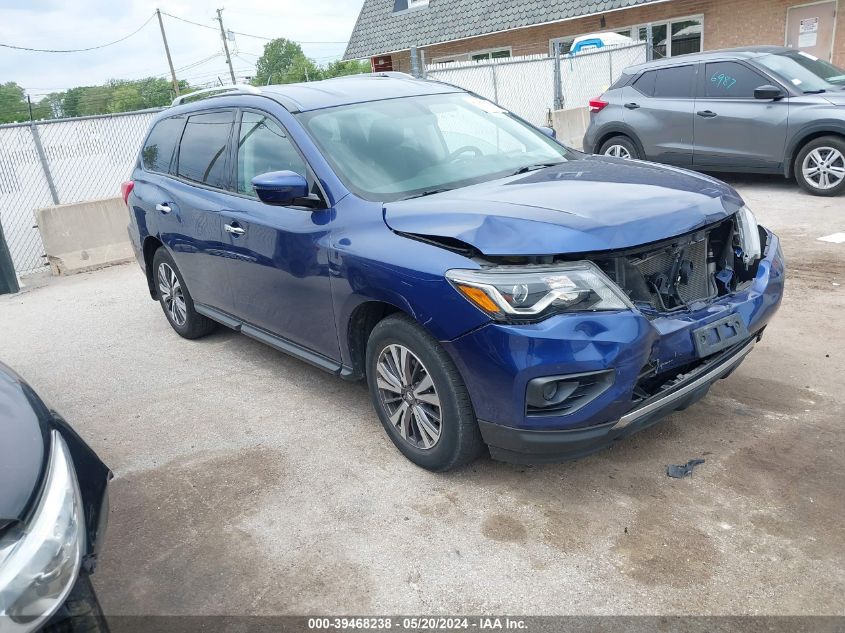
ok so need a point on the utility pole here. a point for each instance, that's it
(167, 51)
(226, 45)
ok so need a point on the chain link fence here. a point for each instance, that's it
(60, 162)
(527, 86)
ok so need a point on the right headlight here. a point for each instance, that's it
(749, 236)
(39, 561)
(508, 293)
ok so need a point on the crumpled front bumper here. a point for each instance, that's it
(497, 362)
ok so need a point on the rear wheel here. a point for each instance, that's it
(620, 147)
(420, 397)
(820, 166)
(176, 300)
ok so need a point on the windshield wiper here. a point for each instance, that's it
(534, 167)
(427, 192)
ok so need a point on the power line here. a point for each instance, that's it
(258, 37)
(78, 50)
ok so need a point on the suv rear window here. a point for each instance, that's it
(158, 150)
(202, 152)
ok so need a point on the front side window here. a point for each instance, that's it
(674, 83)
(804, 71)
(202, 152)
(731, 80)
(400, 148)
(161, 143)
(263, 147)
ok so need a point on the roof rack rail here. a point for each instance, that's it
(216, 91)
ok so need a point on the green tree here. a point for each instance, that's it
(13, 106)
(284, 62)
(346, 67)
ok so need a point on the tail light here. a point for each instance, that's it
(597, 105)
(125, 189)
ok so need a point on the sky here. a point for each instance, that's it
(197, 51)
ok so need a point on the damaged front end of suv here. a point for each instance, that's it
(588, 345)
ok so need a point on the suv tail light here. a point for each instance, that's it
(125, 189)
(597, 104)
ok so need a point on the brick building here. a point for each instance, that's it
(453, 30)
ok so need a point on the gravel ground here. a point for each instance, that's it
(249, 482)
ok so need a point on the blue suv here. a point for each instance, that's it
(495, 288)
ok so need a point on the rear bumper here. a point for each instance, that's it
(533, 446)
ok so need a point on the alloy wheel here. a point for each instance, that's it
(408, 395)
(172, 295)
(619, 151)
(824, 167)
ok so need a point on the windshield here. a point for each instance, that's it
(401, 148)
(805, 72)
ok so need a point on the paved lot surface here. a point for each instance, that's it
(248, 482)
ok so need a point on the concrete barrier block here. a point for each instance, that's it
(85, 235)
(571, 125)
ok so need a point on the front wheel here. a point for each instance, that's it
(420, 397)
(820, 166)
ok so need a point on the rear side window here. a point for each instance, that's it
(730, 80)
(202, 152)
(158, 150)
(673, 83)
(620, 82)
(645, 83)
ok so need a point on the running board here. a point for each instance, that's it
(277, 342)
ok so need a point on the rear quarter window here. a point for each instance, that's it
(202, 152)
(157, 154)
(645, 83)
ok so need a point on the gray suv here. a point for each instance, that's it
(763, 109)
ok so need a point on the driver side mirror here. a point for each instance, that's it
(548, 131)
(280, 188)
(768, 92)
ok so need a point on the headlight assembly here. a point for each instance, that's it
(520, 293)
(39, 561)
(749, 236)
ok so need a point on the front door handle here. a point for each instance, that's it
(163, 207)
(632, 106)
(234, 229)
(707, 114)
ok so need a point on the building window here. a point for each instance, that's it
(669, 39)
(405, 5)
(477, 56)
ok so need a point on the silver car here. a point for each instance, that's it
(763, 109)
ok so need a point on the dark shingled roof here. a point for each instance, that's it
(380, 30)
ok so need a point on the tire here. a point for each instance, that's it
(458, 440)
(829, 150)
(182, 316)
(621, 145)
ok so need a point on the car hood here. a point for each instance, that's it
(836, 98)
(23, 447)
(590, 204)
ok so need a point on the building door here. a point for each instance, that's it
(809, 27)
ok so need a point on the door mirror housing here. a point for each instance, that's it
(768, 92)
(548, 131)
(280, 187)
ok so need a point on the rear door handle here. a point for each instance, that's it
(632, 106)
(163, 207)
(707, 114)
(234, 229)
